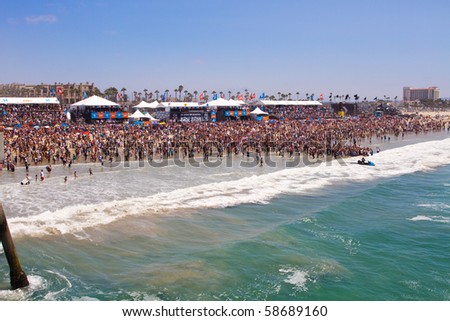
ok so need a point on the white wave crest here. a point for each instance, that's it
(440, 219)
(254, 189)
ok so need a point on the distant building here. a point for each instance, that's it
(412, 94)
(66, 93)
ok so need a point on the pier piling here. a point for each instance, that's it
(18, 278)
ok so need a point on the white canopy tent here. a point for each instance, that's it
(150, 117)
(28, 100)
(155, 104)
(238, 102)
(179, 104)
(221, 102)
(94, 101)
(137, 114)
(258, 111)
(143, 104)
(287, 103)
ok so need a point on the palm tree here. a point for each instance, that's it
(166, 92)
(157, 94)
(180, 90)
(279, 94)
(185, 94)
(134, 95)
(145, 93)
(229, 94)
(176, 90)
(289, 96)
(195, 94)
(297, 93)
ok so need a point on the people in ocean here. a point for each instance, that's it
(65, 179)
(26, 181)
(90, 172)
(49, 168)
(42, 175)
(75, 174)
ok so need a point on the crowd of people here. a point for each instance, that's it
(306, 131)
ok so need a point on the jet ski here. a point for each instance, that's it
(365, 162)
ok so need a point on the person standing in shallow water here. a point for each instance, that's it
(75, 174)
(90, 172)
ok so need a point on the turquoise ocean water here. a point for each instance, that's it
(328, 231)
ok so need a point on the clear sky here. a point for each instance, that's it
(366, 47)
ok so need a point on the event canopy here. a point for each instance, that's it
(287, 103)
(258, 111)
(150, 117)
(143, 104)
(28, 100)
(179, 104)
(156, 104)
(137, 114)
(221, 103)
(95, 101)
(239, 102)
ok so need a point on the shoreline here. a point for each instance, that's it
(274, 161)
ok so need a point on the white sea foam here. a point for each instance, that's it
(37, 283)
(440, 219)
(253, 189)
(67, 285)
(438, 206)
(297, 278)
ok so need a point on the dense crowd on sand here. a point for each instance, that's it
(306, 131)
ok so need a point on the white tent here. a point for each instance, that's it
(179, 104)
(239, 102)
(95, 101)
(137, 114)
(156, 104)
(221, 103)
(258, 111)
(143, 104)
(287, 103)
(150, 117)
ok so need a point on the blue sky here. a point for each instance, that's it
(372, 48)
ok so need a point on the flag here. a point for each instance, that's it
(60, 91)
(262, 96)
(312, 96)
(222, 96)
(215, 97)
(253, 96)
(119, 95)
(84, 94)
(321, 97)
(200, 97)
(240, 97)
(53, 91)
(376, 98)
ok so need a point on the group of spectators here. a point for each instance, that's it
(307, 131)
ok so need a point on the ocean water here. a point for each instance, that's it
(237, 231)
